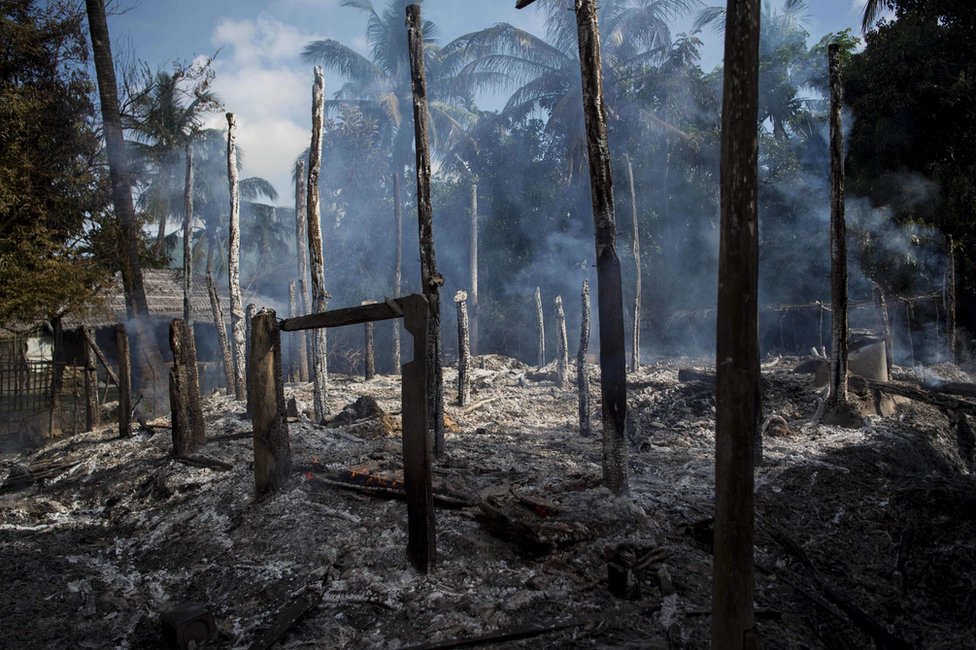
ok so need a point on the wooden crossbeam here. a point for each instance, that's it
(387, 310)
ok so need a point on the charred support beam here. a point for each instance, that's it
(398, 263)
(91, 383)
(266, 393)
(369, 363)
(473, 270)
(320, 298)
(635, 340)
(237, 316)
(125, 382)
(464, 350)
(90, 342)
(562, 361)
(184, 391)
(57, 381)
(217, 313)
(300, 342)
(251, 311)
(188, 238)
(582, 380)
(737, 341)
(541, 327)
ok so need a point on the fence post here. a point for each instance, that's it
(91, 382)
(125, 383)
(266, 394)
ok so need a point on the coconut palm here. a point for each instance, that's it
(873, 10)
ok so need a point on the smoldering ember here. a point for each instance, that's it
(568, 330)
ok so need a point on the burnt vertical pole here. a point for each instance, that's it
(369, 360)
(473, 272)
(234, 262)
(300, 345)
(249, 316)
(184, 391)
(125, 382)
(582, 380)
(91, 382)
(320, 368)
(562, 350)
(57, 380)
(635, 340)
(398, 263)
(838, 405)
(950, 299)
(737, 340)
(613, 357)
(295, 342)
(464, 348)
(431, 280)
(540, 327)
(266, 392)
(188, 238)
(221, 327)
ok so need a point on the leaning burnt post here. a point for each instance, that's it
(562, 358)
(473, 270)
(234, 262)
(582, 379)
(635, 340)
(431, 280)
(320, 368)
(398, 263)
(266, 392)
(881, 304)
(184, 391)
(217, 313)
(737, 340)
(613, 357)
(125, 382)
(91, 382)
(464, 349)
(839, 410)
(541, 327)
(369, 363)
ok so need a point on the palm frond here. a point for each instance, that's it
(342, 59)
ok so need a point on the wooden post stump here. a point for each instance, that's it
(125, 382)
(184, 391)
(464, 350)
(541, 326)
(369, 363)
(91, 383)
(582, 378)
(562, 361)
(266, 392)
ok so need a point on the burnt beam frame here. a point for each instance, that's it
(413, 309)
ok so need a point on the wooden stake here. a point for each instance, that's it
(562, 358)
(737, 344)
(398, 265)
(272, 451)
(57, 381)
(882, 307)
(91, 383)
(635, 341)
(473, 271)
(300, 361)
(464, 351)
(188, 238)
(295, 340)
(125, 383)
(369, 363)
(184, 391)
(320, 367)
(838, 243)
(541, 325)
(250, 313)
(234, 263)
(218, 319)
(431, 280)
(613, 357)
(950, 299)
(582, 379)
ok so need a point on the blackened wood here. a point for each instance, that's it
(294, 344)
(90, 342)
(217, 313)
(125, 382)
(398, 264)
(635, 339)
(301, 248)
(188, 238)
(933, 396)
(266, 389)
(464, 350)
(91, 383)
(473, 270)
(237, 316)
(250, 312)
(562, 358)
(417, 478)
(882, 307)
(309, 341)
(57, 380)
(431, 280)
(838, 242)
(950, 300)
(582, 376)
(737, 341)
(320, 367)
(613, 357)
(347, 316)
(369, 363)
(540, 328)
(184, 391)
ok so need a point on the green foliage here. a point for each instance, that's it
(50, 185)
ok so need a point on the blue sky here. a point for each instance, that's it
(262, 79)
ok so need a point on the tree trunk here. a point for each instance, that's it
(635, 353)
(91, 383)
(464, 350)
(838, 408)
(234, 263)
(369, 362)
(882, 307)
(148, 354)
(184, 391)
(398, 265)
(320, 368)
(474, 268)
(188, 240)
(218, 320)
(541, 327)
(737, 342)
(309, 342)
(950, 300)
(431, 280)
(272, 450)
(296, 347)
(582, 379)
(299, 361)
(125, 382)
(613, 357)
(562, 361)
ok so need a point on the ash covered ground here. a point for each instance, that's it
(864, 536)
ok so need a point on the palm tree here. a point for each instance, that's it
(873, 10)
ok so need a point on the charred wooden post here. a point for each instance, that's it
(57, 380)
(250, 312)
(234, 262)
(613, 357)
(90, 342)
(320, 367)
(737, 343)
(473, 272)
(184, 391)
(417, 475)
(562, 360)
(218, 318)
(950, 298)
(300, 342)
(398, 263)
(838, 405)
(125, 382)
(91, 383)
(188, 238)
(266, 390)
(431, 280)
(464, 351)
(635, 341)
(882, 307)
(294, 343)
(541, 327)
(582, 378)
(369, 363)
(307, 342)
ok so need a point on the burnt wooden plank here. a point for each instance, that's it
(346, 316)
